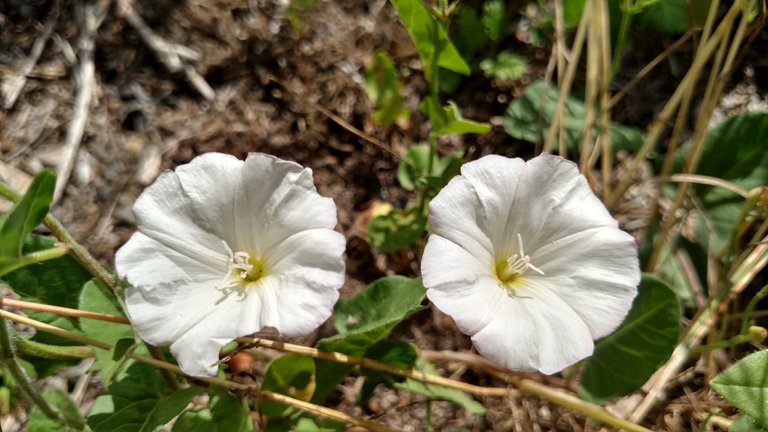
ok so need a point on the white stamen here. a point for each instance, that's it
(520, 263)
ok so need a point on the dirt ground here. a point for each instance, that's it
(260, 76)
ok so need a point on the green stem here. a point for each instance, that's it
(37, 349)
(621, 40)
(8, 357)
(750, 307)
(754, 334)
(36, 257)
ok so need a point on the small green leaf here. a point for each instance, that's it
(448, 119)
(97, 298)
(624, 360)
(745, 385)
(429, 37)
(417, 156)
(494, 19)
(28, 212)
(395, 230)
(383, 88)
(437, 392)
(292, 375)
(39, 422)
(529, 116)
(506, 66)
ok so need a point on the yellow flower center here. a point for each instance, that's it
(509, 268)
(243, 270)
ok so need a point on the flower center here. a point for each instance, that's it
(243, 269)
(509, 269)
(246, 267)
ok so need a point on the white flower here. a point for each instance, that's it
(225, 248)
(528, 262)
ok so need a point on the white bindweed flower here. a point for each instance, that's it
(528, 261)
(225, 248)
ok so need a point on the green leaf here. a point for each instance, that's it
(362, 321)
(55, 282)
(506, 66)
(394, 353)
(169, 407)
(137, 382)
(39, 422)
(528, 118)
(470, 37)
(395, 230)
(745, 423)
(97, 298)
(443, 169)
(383, 88)
(197, 420)
(438, 392)
(380, 305)
(494, 19)
(292, 375)
(448, 120)
(429, 37)
(733, 151)
(128, 417)
(28, 212)
(229, 413)
(745, 385)
(668, 16)
(572, 10)
(110, 412)
(624, 360)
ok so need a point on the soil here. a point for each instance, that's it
(276, 69)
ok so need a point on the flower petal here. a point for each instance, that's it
(467, 292)
(277, 199)
(596, 272)
(534, 330)
(170, 217)
(553, 201)
(211, 181)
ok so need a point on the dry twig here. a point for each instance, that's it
(173, 56)
(90, 17)
(17, 85)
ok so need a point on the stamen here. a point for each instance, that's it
(520, 263)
